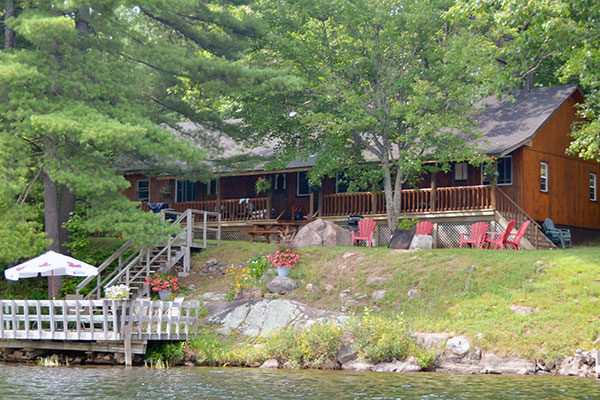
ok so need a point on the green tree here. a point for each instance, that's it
(387, 82)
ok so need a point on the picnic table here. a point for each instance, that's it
(266, 229)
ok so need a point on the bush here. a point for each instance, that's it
(311, 347)
(207, 349)
(165, 353)
(380, 339)
(257, 266)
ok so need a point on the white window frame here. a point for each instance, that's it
(298, 185)
(593, 186)
(276, 182)
(544, 178)
(461, 171)
(137, 190)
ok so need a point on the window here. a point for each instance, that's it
(543, 177)
(341, 183)
(303, 189)
(460, 171)
(593, 186)
(504, 171)
(186, 191)
(280, 182)
(211, 187)
(142, 192)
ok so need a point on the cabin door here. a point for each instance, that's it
(280, 196)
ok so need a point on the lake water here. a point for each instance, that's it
(33, 382)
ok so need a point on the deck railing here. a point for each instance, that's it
(100, 320)
(413, 200)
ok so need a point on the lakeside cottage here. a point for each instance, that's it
(536, 180)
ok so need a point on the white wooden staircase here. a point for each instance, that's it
(130, 265)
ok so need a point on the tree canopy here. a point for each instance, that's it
(383, 81)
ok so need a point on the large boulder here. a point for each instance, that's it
(421, 242)
(321, 232)
(282, 285)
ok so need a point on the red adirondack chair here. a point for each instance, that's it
(516, 242)
(424, 228)
(499, 238)
(477, 237)
(366, 231)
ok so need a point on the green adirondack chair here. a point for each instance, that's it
(562, 236)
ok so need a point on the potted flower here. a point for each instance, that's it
(165, 191)
(163, 283)
(117, 292)
(284, 260)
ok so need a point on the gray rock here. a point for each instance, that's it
(376, 281)
(410, 365)
(282, 285)
(346, 353)
(378, 294)
(224, 330)
(312, 288)
(271, 363)
(191, 288)
(434, 341)
(522, 310)
(211, 262)
(348, 255)
(414, 292)
(421, 242)
(457, 346)
(328, 288)
(344, 293)
(350, 303)
(321, 232)
(213, 296)
(495, 365)
(358, 365)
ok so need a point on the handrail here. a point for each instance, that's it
(518, 213)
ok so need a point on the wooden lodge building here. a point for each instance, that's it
(536, 180)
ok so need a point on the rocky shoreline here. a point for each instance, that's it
(259, 317)
(454, 354)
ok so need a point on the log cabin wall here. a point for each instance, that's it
(567, 200)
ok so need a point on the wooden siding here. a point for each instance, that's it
(567, 200)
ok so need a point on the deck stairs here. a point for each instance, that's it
(507, 210)
(131, 264)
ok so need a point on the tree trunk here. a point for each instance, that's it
(9, 33)
(81, 23)
(66, 207)
(51, 226)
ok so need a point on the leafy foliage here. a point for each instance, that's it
(311, 347)
(379, 338)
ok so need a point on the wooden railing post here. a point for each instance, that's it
(373, 203)
(433, 190)
(218, 184)
(493, 195)
(320, 202)
(311, 208)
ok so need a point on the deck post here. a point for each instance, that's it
(433, 190)
(373, 203)
(311, 211)
(435, 235)
(218, 187)
(128, 320)
(320, 202)
(493, 195)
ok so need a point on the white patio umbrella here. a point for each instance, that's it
(50, 264)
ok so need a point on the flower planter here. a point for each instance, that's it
(164, 294)
(283, 271)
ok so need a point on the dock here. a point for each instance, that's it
(95, 325)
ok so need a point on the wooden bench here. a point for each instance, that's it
(266, 234)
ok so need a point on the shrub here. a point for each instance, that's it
(165, 353)
(206, 349)
(238, 278)
(257, 266)
(381, 339)
(311, 347)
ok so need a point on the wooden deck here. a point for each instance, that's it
(120, 322)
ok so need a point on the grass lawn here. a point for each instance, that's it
(460, 291)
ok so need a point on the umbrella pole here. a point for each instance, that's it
(52, 283)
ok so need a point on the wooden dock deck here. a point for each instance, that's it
(85, 323)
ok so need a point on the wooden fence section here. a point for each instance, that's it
(98, 320)
(420, 200)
